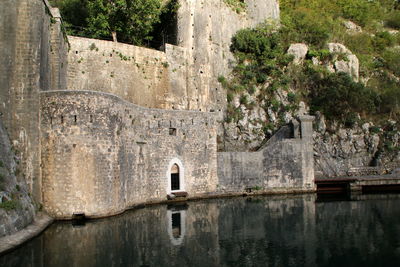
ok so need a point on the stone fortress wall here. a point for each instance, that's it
(33, 53)
(183, 76)
(96, 152)
(101, 154)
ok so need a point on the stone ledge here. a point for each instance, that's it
(39, 224)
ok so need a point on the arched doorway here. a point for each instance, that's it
(175, 177)
(175, 182)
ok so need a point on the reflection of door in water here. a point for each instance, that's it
(176, 225)
(175, 184)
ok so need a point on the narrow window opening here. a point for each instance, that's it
(62, 119)
(172, 131)
(91, 118)
(75, 119)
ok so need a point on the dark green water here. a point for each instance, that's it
(257, 231)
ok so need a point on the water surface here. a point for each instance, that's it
(253, 231)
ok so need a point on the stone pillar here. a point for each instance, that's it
(306, 127)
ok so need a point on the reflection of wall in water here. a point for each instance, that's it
(358, 225)
(286, 221)
(136, 238)
(273, 231)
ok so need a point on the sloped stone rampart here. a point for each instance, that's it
(136, 74)
(284, 164)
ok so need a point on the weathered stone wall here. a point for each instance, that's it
(282, 165)
(13, 193)
(136, 74)
(205, 29)
(101, 154)
(27, 47)
(182, 77)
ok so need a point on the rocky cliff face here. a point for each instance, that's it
(336, 153)
(16, 207)
(336, 149)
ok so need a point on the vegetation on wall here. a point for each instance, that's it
(237, 5)
(136, 22)
(262, 62)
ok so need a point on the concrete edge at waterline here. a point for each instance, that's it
(39, 224)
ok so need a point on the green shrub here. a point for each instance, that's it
(305, 25)
(244, 100)
(393, 20)
(229, 97)
(383, 40)
(1, 164)
(251, 90)
(390, 97)
(374, 129)
(322, 54)
(255, 43)
(237, 5)
(221, 79)
(391, 60)
(9, 205)
(360, 43)
(338, 97)
(292, 97)
(233, 114)
(275, 104)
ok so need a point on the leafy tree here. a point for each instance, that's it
(74, 14)
(130, 20)
(165, 30)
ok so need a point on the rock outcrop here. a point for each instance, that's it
(336, 152)
(16, 207)
(344, 60)
(299, 52)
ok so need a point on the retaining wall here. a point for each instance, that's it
(284, 164)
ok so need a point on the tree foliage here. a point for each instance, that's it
(129, 21)
(338, 97)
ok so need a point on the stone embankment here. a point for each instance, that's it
(12, 241)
